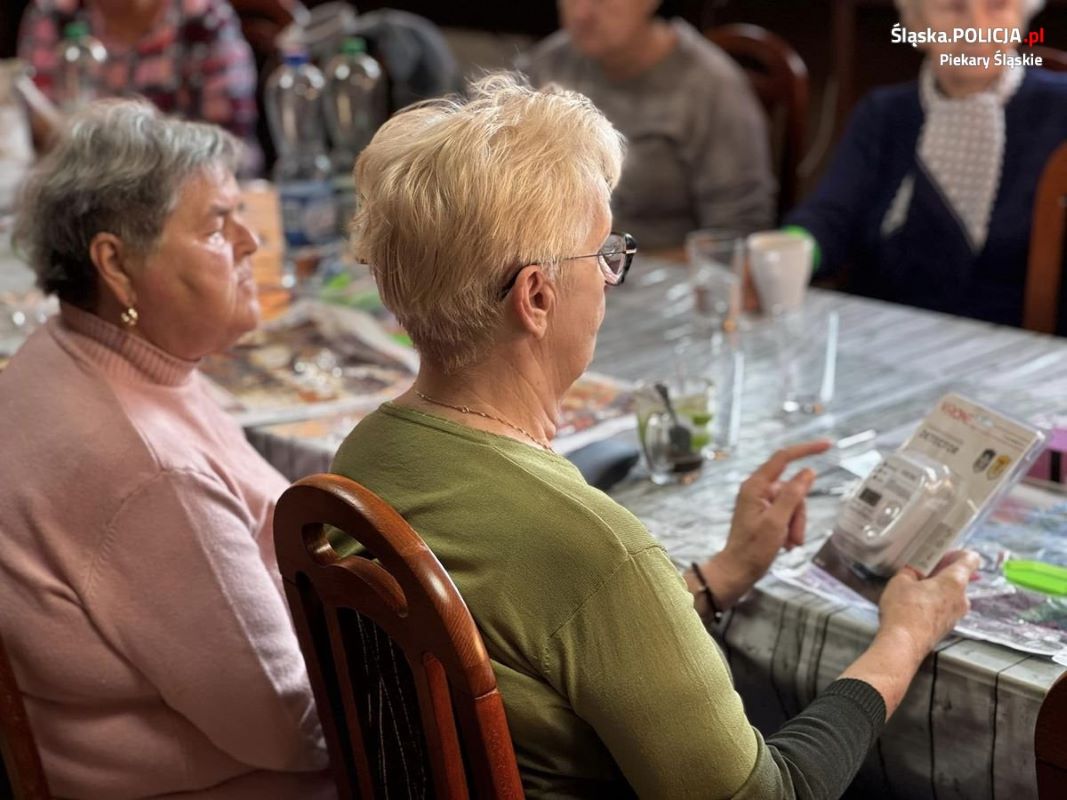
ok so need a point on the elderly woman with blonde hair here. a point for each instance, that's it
(930, 196)
(488, 228)
(139, 595)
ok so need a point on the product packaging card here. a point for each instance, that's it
(925, 499)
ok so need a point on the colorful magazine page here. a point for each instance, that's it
(321, 434)
(1030, 522)
(314, 359)
(596, 407)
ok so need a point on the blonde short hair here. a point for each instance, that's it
(453, 196)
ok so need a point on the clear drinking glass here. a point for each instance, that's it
(704, 391)
(807, 359)
(673, 440)
(716, 259)
(727, 372)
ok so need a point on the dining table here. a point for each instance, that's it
(967, 725)
(966, 728)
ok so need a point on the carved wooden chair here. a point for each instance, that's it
(1044, 275)
(780, 81)
(404, 688)
(22, 776)
(263, 20)
(1050, 745)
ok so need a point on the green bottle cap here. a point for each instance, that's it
(354, 45)
(76, 30)
(1037, 575)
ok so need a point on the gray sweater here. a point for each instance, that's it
(698, 148)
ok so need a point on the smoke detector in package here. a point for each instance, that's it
(882, 522)
(929, 495)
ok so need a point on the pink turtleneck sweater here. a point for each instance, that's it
(139, 595)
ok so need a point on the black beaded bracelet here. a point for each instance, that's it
(716, 613)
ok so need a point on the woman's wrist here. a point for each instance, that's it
(889, 664)
(726, 584)
(737, 570)
(900, 639)
(706, 604)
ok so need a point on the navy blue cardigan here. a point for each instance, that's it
(927, 262)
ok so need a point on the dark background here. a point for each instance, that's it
(845, 43)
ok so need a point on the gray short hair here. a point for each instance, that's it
(117, 168)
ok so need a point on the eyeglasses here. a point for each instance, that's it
(614, 258)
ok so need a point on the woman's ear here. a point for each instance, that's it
(112, 261)
(532, 299)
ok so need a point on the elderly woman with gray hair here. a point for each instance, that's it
(488, 228)
(698, 154)
(930, 196)
(139, 595)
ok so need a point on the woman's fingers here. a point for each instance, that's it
(772, 469)
(910, 573)
(797, 526)
(789, 499)
(957, 567)
(954, 556)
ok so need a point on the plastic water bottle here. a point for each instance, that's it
(302, 173)
(356, 105)
(16, 142)
(80, 59)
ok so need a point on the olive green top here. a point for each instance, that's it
(610, 681)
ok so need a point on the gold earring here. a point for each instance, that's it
(129, 317)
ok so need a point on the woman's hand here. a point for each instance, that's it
(769, 514)
(923, 610)
(916, 613)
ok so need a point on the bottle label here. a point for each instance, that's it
(309, 213)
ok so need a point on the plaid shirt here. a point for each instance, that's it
(193, 62)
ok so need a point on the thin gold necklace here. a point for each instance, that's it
(467, 410)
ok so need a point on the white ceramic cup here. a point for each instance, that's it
(780, 264)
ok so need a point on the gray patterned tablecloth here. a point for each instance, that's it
(966, 728)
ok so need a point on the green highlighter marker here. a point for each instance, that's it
(1037, 575)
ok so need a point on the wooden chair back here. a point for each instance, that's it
(263, 20)
(1043, 247)
(405, 691)
(1050, 745)
(1044, 274)
(18, 751)
(780, 81)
